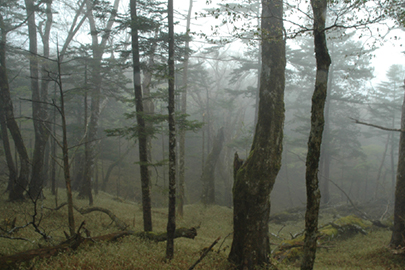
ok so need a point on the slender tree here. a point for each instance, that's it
(171, 222)
(39, 97)
(181, 194)
(142, 133)
(323, 62)
(398, 232)
(254, 180)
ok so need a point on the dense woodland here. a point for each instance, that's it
(233, 104)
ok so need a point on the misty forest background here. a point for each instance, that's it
(222, 86)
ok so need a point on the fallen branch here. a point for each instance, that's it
(205, 253)
(120, 224)
(10, 261)
(180, 232)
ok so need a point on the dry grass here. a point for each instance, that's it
(360, 252)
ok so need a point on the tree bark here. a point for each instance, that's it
(142, 133)
(323, 62)
(254, 180)
(325, 158)
(398, 232)
(171, 221)
(208, 174)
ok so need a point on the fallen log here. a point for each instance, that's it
(12, 261)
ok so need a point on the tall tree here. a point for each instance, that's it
(254, 180)
(182, 146)
(98, 49)
(398, 232)
(142, 133)
(171, 222)
(36, 98)
(39, 96)
(17, 188)
(323, 62)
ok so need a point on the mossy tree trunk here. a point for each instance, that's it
(208, 177)
(254, 180)
(323, 62)
(171, 222)
(398, 233)
(142, 134)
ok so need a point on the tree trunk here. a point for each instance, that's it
(254, 180)
(398, 232)
(65, 153)
(12, 170)
(12, 173)
(110, 168)
(208, 174)
(182, 147)
(98, 51)
(148, 106)
(39, 113)
(142, 133)
(326, 146)
(18, 187)
(171, 221)
(323, 62)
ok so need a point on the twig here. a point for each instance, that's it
(351, 202)
(205, 253)
(223, 241)
(16, 238)
(375, 126)
(281, 229)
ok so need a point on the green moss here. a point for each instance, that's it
(328, 232)
(353, 220)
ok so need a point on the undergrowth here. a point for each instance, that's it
(359, 252)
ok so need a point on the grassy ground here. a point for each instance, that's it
(361, 252)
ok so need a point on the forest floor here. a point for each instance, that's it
(358, 252)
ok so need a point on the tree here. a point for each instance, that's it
(171, 222)
(323, 62)
(98, 49)
(18, 184)
(39, 95)
(385, 103)
(182, 135)
(208, 176)
(254, 180)
(398, 232)
(142, 133)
